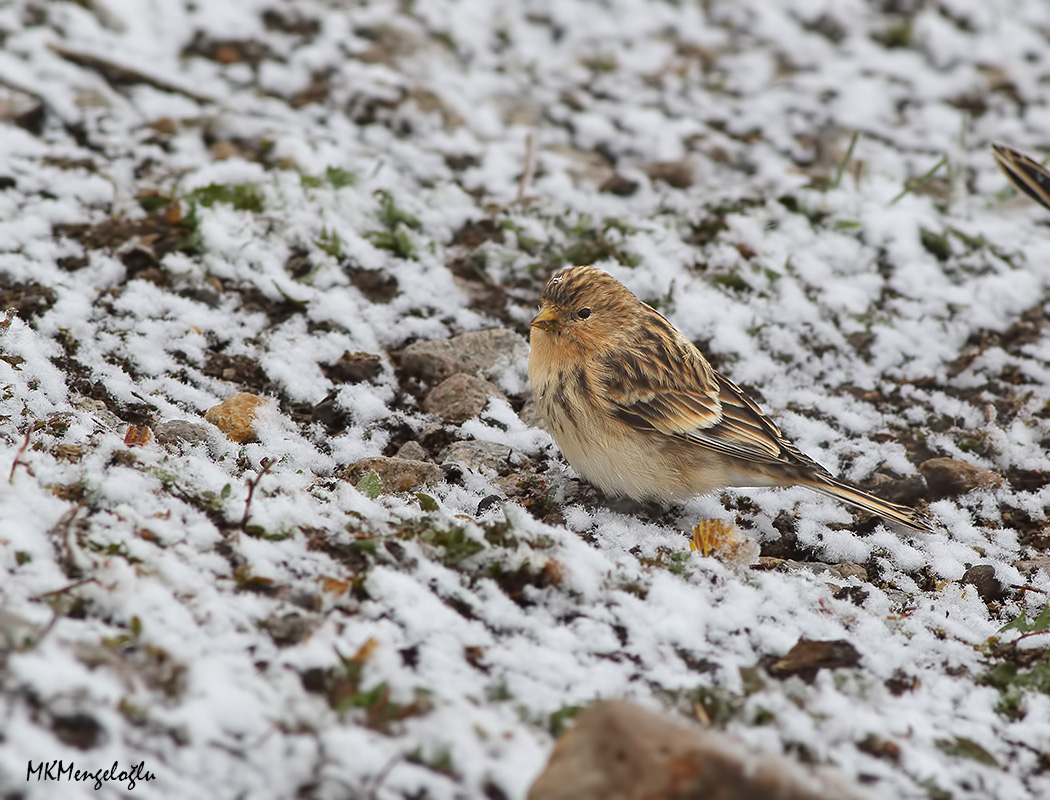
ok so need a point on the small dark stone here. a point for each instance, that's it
(809, 656)
(982, 578)
(72, 263)
(78, 730)
(410, 656)
(904, 491)
(899, 683)
(459, 162)
(947, 477)
(138, 260)
(32, 119)
(854, 594)
(494, 792)
(619, 186)
(314, 680)
(453, 472)
(330, 414)
(7, 182)
(489, 502)
(375, 285)
(786, 546)
(202, 294)
(476, 232)
(353, 368)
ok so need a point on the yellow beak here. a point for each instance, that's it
(547, 318)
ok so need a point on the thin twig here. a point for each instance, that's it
(1027, 587)
(65, 589)
(47, 628)
(18, 459)
(373, 792)
(1027, 635)
(266, 463)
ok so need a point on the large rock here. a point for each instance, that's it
(486, 353)
(460, 397)
(620, 751)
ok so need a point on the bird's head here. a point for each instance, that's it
(582, 306)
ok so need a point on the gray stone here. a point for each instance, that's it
(460, 397)
(412, 451)
(292, 628)
(397, 474)
(530, 414)
(180, 430)
(499, 458)
(485, 353)
(1032, 564)
(98, 410)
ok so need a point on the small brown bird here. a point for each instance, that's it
(637, 410)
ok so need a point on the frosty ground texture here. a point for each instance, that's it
(200, 198)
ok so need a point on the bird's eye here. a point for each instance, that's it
(583, 313)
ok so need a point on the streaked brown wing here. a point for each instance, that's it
(672, 412)
(693, 403)
(1024, 172)
(744, 424)
(661, 382)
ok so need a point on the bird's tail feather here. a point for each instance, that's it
(902, 515)
(1026, 173)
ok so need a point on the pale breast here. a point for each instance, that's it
(610, 454)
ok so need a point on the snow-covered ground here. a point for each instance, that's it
(202, 197)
